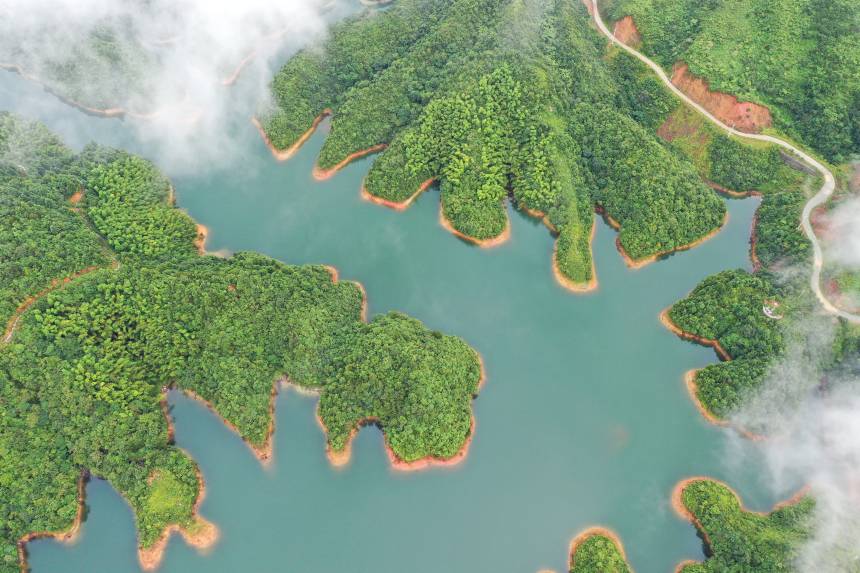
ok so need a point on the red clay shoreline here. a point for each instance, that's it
(396, 205)
(667, 322)
(322, 174)
(756, 263)
(231, 79)
(284, 154)
(567, 283)
(591, 532)
(499, 239)
(693, 390)
(690, 376)
(342, 457)
(264, 452)
(681, 510)
(205, 536)
(65, 536)
(639, 263)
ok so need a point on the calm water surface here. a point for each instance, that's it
(584, 418)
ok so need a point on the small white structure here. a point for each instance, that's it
(771, 309)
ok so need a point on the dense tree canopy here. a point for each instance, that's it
(598, 553)
(82, 379)
(42, 238)
(741, 540)
(495, 99)
(800, 58)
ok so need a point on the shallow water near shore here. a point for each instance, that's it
(584, 419)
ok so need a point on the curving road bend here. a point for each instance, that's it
(819, 198)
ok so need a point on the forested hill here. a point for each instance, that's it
(800, 58)
(126, 307)
(495, 99)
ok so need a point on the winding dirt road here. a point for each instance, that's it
(818, 199)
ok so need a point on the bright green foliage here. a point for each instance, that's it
(41, 238)
(727, 161)
(657, 199)
(727, 307)
(127, 202)
(82, 379)
(741, 540)
(722, 387)
(778, 234)
(741, 167)
(496, 99)
(415, 383)
(598, 554)
(800, 58)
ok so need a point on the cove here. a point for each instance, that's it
(584, 419)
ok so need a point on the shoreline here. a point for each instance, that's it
(200, 239)
(591, 532)
(561, 279)
(678, 331)
(639, 263)
(231, 79)
(756, 263)
(731, 193)
(284, 154)
(63, 536)
(567, 283)
(499, 239)
(322, 174)
(692, 390)
(205, 537)
(681, 510)
(397, 206)
(341, 458)
(262, 452)
(110, 112)
(335, 278)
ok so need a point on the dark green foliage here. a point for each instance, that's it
(415, 383)
(127, 201)
(598, 554)
(42, 240)
(740, 540)
(496, 99)
(741, 167)
(800, 58)
(641, 94)
(723, 386)
(82, 379)
(658, 200)
(778, 234)
(727, 307)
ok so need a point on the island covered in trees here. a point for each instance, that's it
(491, 101)
(108, 299)
(108, 302)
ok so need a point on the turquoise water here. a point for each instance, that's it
(584, 418)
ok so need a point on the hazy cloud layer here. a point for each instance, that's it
(188, 50)
(812, 424)
(844, 232)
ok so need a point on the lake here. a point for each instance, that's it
(584, 418)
